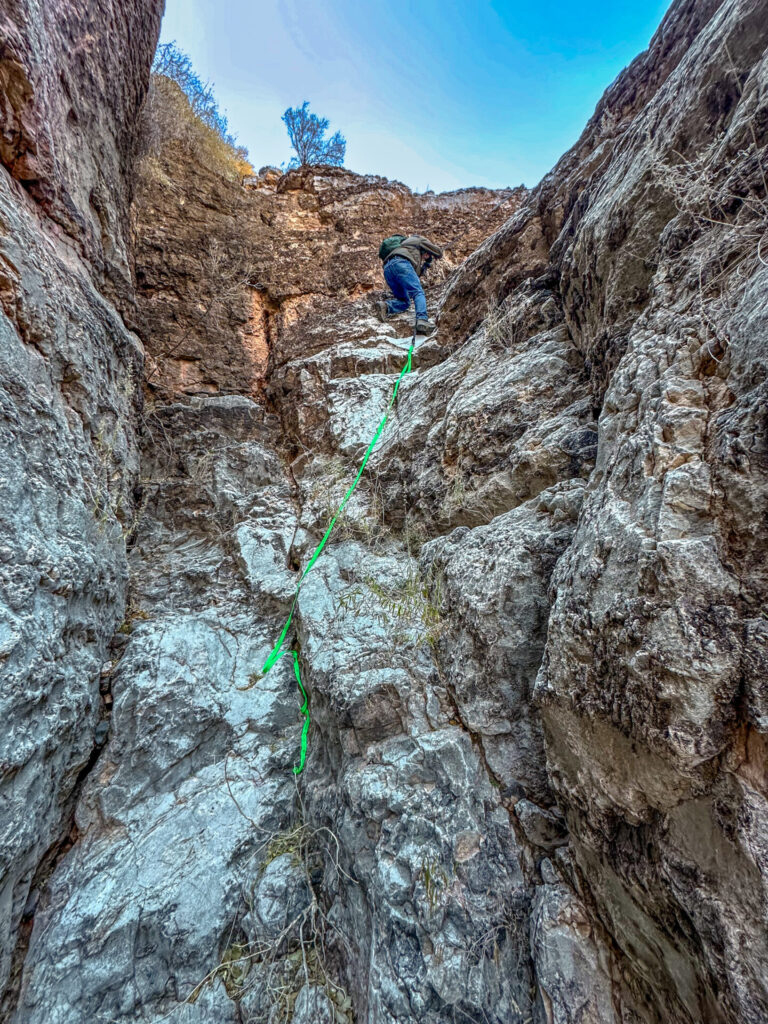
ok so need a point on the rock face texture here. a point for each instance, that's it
(651, 690)
(534, 645)
(233, 277)
(72, 80)
(73, 77)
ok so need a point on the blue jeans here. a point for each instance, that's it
(405, 284)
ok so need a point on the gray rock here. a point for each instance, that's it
(531, 401)
(534, 646)
(70, 128)
(572, 971)
(281, 895)
(542, 827)
(313, 1007)
(492, 583)
(70, 374)
(179, 811)
(409, 801)
(262, 552)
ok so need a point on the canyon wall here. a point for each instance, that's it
(651, 687)
(534, 647)
(72, 79)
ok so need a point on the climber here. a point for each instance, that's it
(406, 258)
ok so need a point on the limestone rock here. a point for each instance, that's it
(279, 897)
(236, 280)
(542, 827)
(195, 779)
(571, 969)
(492, 582)
(73, 78)
(72, 82)
(533, 645)
(313, 1007)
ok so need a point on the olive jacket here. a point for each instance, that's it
(413, 249)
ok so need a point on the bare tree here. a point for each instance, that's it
(173, 63)
(307, 134)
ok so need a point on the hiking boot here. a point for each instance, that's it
(380, 309)
(425, 327)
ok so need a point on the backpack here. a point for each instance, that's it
(389, 245)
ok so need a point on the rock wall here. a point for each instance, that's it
(72, 80)
(535, 790)
(235, 278)
(649, 236)
(73, 77)
(190, 809)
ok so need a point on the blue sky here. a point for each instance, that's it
(436, 93)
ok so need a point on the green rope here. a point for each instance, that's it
(277, 651)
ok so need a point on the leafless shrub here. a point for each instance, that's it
(181, 107)
(171, 62)
(724, 197)
(502, 326)
(730, 227)
(267, 976)
(410, 608)
(465, 504)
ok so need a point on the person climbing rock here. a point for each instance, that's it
(406, 258)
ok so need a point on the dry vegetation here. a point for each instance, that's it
(265, 977)
(180, 108)
(722, 192)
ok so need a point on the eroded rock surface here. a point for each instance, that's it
(236, 279)
(73, 78)
(195, 781)
(72, 81)
(534, 645)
